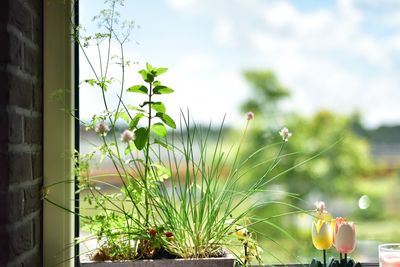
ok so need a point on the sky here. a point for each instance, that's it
(342, 55)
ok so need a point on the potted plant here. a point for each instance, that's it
(176, 198)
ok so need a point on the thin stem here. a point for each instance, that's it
(100, 61)
(245, 253)
(341, 258)
(110, 37)
(146, 166)
(324, 251)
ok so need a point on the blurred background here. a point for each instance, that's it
(327, 70)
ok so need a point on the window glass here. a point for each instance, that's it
(327, 70)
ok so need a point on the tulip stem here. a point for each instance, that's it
(341, 259)
(345, 258)
(324, 257)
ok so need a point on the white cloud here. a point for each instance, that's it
(181, 4)
(328, 56)
(205, 88)
(224, 31)
(324, 56)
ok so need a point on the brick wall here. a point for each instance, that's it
(21, 123)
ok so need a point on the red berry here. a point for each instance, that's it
(168, 234)
(152, 232)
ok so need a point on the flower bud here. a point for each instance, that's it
(152, 232)
(102, 128)
(127, 136)
(322, 234)
(344, 236)
(250, 115)
(285, 134)
(168, 234)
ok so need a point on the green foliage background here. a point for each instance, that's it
(340, 175)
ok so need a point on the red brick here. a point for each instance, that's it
(15, 205)
(37, 88)
(20, 92)
(37, 165)
(32, 201)
(37, 33)
(37, 230)
(20, 239)
(20, 17)
(32, 61)
(20, 167)
(32, 260)
(15, 128)
(15, 52)
(33, 133)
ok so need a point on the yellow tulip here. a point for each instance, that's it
(322, 234)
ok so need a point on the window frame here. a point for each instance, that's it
(61, 133)
(58, 132)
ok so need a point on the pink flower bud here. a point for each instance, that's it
(285, 134)
(320, 206)
(127, 136)
(102, 128)
(250, 115)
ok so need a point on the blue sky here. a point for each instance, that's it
(342, 55)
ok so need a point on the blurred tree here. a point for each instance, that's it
(330, 175)
(268, 92)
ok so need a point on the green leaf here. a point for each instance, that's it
(158, 107)
(159, 129)
(122, 115)
(129, 148)
(92, 82)
(149, 67)
(162, 172)
(142, 137)
(314, 263)
(131, 107)
(161, 89)
(134, 122)
(160, 71)
(141, 89)
(166, 119)
(156, 83)
(147, 76)
(163, 144)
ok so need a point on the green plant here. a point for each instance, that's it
(173, 195)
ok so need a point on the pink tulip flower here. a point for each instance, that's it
(344, 236)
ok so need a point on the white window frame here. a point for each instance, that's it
(58, 132)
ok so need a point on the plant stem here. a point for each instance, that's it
(341, 259)
(345, 259)
(324, 251)
(146, 166)
(245, 253)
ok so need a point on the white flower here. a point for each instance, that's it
(320, 206)
(102, 128)
(285, 134)
(127, 136)
(250, 115)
